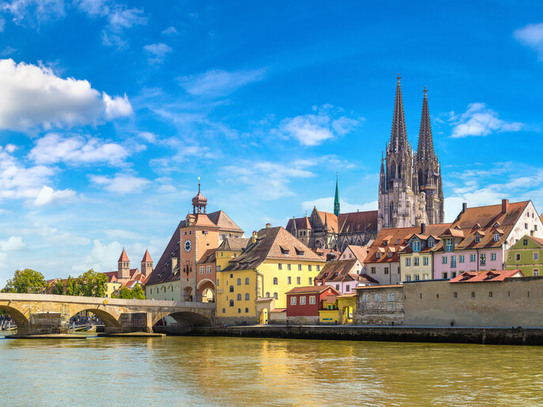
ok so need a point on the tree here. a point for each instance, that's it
(58, 288)
(73, 286)
(24, 281)
(138, 293)
(93, 284)
(128, 294)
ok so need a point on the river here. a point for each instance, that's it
(201, 371)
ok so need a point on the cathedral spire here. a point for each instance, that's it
(336, 199)
(398, 136)
(425, 149)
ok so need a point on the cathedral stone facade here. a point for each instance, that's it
(410, 187)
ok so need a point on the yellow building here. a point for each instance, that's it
(338, 309)
(256, 281)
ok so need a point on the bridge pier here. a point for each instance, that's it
(131, 322)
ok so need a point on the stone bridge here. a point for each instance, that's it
(50, 314)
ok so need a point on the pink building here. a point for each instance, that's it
(479, 237)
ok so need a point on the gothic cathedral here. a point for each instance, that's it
(410, 187)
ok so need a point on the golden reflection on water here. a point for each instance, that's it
(183, 371)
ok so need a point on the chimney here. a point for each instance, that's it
(464, 207)
(505, 205)
(268, 225)
(253, 237)
(422, 228)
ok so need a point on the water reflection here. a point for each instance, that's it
(270, 372)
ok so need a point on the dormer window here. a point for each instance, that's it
(416, 246)
(299, 252)
(449, 245)
(497, 225)
(389, 255)
(284, 251)
(477, 238)
(378, 255)
(477, 226)
(431, 242)
(496, 237)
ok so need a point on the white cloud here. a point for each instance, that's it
(47, 196)
(33, 96)
(532, 36)
(217, 83)
(13, 244)
(120, 183)
(267, 180)
(102, 258)
(55, 236)
(479, 120)
(170, 31)
(123, 234)
(34, 12)
(157, 52)
(314, 129)
(76, 150)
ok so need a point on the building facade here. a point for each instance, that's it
(410, 186)
(526, 255)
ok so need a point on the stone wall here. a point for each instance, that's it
(379, 305)
(510, 303)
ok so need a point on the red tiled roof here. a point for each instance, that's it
(312, 289)
(224, 222)
(123, 257)
(300, 223)
(491, 275)
(146, 257)
(357, 222)
(360, 252)
(339, 270)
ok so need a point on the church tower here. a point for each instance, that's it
(397, 200)
(336, 199)
(146, 264)
(427, 168)
(123, 267)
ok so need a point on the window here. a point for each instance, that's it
(407, 262)
(453, 274)
(483, 259)
(390, 297)
(386, 270)
(280, 266)
(224, 310)
(202, 269)
(477, 238)
(302, 300)
(377, 298)
(231, 276)
(337, 287)
(453, 261)
(378, 255)
(309, 267)
(455, 294)
(299, 267)
(312, 299)
(276, 296)
(347, 288)
(490, 294)
(493, 256)
(425, 261)
(231, 288)
(389, 255)
(444, 276)
(239, 297)
(472, 294)
(239, 281)
(517, 256)
(472, 258)
(310, 281)
(231, 303)
(416, 261)
(246, 310)
(247, 296)
(408, 277)
(218, 268)
(461, 258)
(416, 246)
(536, 272)
(444, 260)
(289, 280)
(293, 300)
(208, 269)
(496, 237)
(430, 242)
(289, 266)
(298, 280)
(525, 226)
(536, 256)
(267, 294)
(318, 267)
(525, 242)
(365, 298)
(448, 245)
(239, 310)
(417, 277)
(275, 281)
(373, 270)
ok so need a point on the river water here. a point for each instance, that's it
(192, 371)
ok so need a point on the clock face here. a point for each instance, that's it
(188, 245)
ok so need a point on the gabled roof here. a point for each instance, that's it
(163, 270)
(123, 257)
(208, 257)
(300, 223)
(312, 289)
(482, 221)
(267, 246)
(493, 275)
(360, 252)
(358, 222)
(233, 244)
(224, 222)
(146, 257)
(337, 271)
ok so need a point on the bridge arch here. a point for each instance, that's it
(186, 319)
(106, 317)
(18, 316)
(206, 290)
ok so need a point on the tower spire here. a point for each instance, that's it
(336, 199)
(425, 150)
(398, 136)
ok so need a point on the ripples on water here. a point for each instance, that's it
(179, 371)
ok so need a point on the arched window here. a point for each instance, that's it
(246, 280)
(275, 282)
(239, 281)
(239, 297)
(276, 296)
(247, 297)
(164, 289)
(231, 288)
(231, 303)
(171, 288)
(267, 294)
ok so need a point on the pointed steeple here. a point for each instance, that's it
(398, 136)
(425, 149)
(123, 256)
(146, 256)
(336, 199)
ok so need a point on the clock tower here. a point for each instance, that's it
(197, 234)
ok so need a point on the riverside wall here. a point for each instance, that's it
(475, 335)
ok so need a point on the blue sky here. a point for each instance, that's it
(109, 112)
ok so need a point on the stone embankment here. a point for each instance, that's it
(495, 336)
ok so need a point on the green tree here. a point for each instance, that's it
(25, 281)
(58, 288)
(93, 284)
(73, 286)
(138, 293)
(128, 294)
